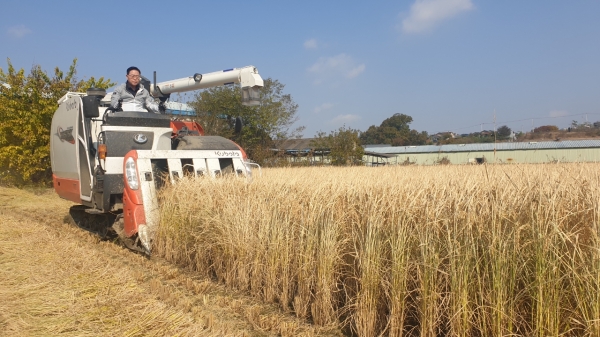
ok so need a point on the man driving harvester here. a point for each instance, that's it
(131, 96)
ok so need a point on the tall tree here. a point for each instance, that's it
(503, 132)
(399, 122)
(418, 138)
(271, 120)
(395, 131)
(27, 104)
(344, 146)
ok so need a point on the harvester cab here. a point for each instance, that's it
(112, 164)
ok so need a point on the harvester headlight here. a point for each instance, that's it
(131, 174)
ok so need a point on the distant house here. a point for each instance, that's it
(301, 150)
(442, 136)
(295, 147)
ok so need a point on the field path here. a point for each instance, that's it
(58, 280)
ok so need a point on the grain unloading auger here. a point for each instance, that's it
(112, 164)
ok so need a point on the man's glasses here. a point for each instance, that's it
(133, 76)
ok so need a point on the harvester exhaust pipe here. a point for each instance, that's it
(155, 81)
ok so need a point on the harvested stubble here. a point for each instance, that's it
(58, 280)
(403, 251)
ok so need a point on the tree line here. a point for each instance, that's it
(28, 102)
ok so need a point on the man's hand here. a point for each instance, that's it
(117, 108)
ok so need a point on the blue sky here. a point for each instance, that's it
(450, 64)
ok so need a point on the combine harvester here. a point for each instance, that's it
(112, 163)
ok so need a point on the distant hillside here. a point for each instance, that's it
(488, 136)
(591, 133)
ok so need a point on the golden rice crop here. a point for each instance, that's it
(402, 251)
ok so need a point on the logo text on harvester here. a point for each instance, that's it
(226, 153)
(72, 105)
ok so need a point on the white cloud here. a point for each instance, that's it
(426, 14)
(341, 65)
(18, 31)
(310, 44)
(558, 113)
(356, 71)
(323, 107)
(345, 119)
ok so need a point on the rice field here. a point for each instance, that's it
(485, 250)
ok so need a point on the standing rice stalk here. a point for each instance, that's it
(399, 269)
(402, 251)
(546, 285)
(368, 238)
(428, 272)
(461, 249)
(307, 242)
(502, 258)
(583, 264)
(327, 273)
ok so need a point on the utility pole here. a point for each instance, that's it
(495, 132)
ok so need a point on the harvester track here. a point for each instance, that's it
(99, 224)
(107, 226)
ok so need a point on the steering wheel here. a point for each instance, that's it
(117, 109)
